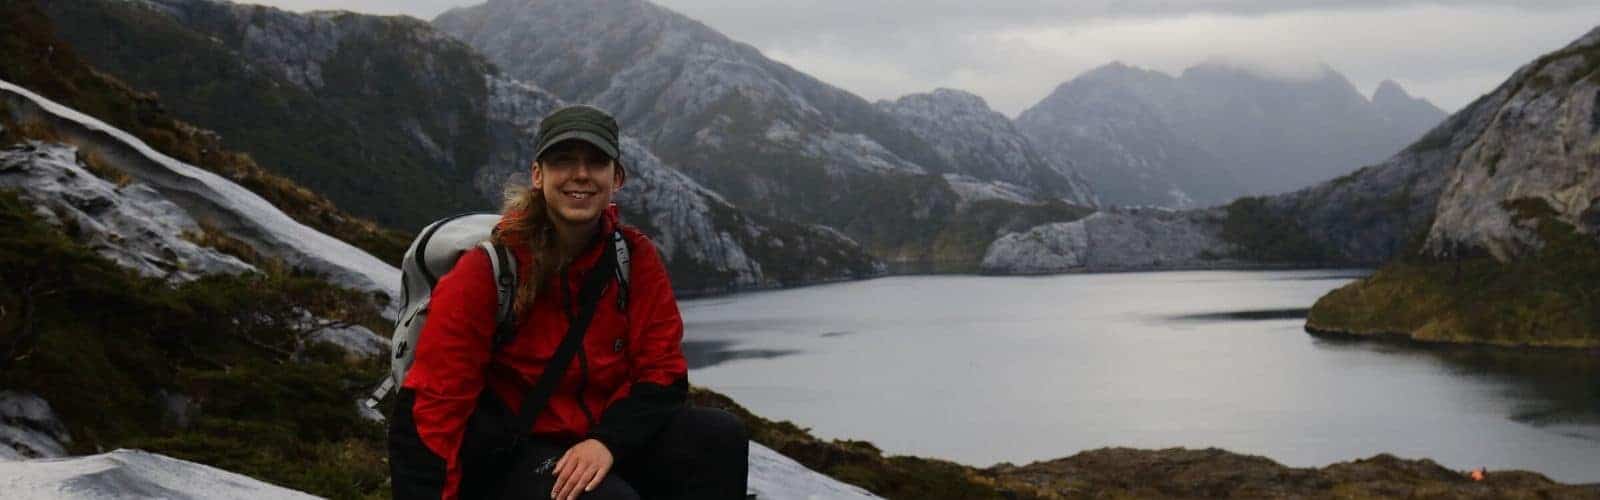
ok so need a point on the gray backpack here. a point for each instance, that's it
(435, 252)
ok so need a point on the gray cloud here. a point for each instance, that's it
(1013, 52)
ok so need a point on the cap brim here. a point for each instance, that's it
(579, 135)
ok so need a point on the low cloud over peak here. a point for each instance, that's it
(1013, 52)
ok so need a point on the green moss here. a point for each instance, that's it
(1549, 298)
(1261, 234)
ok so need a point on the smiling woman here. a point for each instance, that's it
(613, 427)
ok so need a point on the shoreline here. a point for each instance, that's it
(1174, 472)
(1408, 340)
(713, 293)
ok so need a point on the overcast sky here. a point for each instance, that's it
(1014, 52)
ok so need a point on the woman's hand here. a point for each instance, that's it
(581, 469)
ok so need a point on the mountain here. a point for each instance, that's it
(1403, 113)
(376, 109)
(1219, 130)
(982, 145)
(1107, 122)
(1509, 252)
(772, 140)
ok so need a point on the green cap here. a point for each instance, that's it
(578, 122)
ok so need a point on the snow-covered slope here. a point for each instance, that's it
(130, 474)
(133, 225)
(206, 196)
(776, 477)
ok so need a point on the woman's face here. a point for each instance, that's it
(577, 180)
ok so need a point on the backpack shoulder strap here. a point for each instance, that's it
(534, 400)
(505, 287)
(621, 267)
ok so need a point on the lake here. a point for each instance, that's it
(980, 370)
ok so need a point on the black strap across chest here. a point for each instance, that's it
(594, 286)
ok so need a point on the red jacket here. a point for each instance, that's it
(631, 363)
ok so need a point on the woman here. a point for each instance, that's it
(615, 426)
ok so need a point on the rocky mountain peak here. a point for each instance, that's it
(1389, 90)
(1222, 129)
(1115, 73)
(982, 144)
(949, 98)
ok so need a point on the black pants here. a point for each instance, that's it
(702, 454)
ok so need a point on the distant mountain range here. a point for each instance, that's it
(927, 178)
(774, 140)
(1218, 131)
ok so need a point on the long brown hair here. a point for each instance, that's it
(524, 222)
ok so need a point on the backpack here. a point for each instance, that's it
(435, 252)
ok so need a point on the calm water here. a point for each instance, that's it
(989, 369)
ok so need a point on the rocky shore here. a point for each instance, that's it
(1136, 473)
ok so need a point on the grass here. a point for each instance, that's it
(1549, 298)
(1259, 233)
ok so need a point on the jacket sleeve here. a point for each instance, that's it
(441, 389)
(658, 372)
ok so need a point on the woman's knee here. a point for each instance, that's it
(715, 425)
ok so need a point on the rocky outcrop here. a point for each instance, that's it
(982, 144)
(29, 428)
(1113, 240)
(133, 225)
(1219, 130)
(1539, 151)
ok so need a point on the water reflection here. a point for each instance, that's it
(707, 353)
(1554, 388)
(1248, 315)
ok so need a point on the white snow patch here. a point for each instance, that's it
(972, 189)
(131, 474)
(777, 477)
